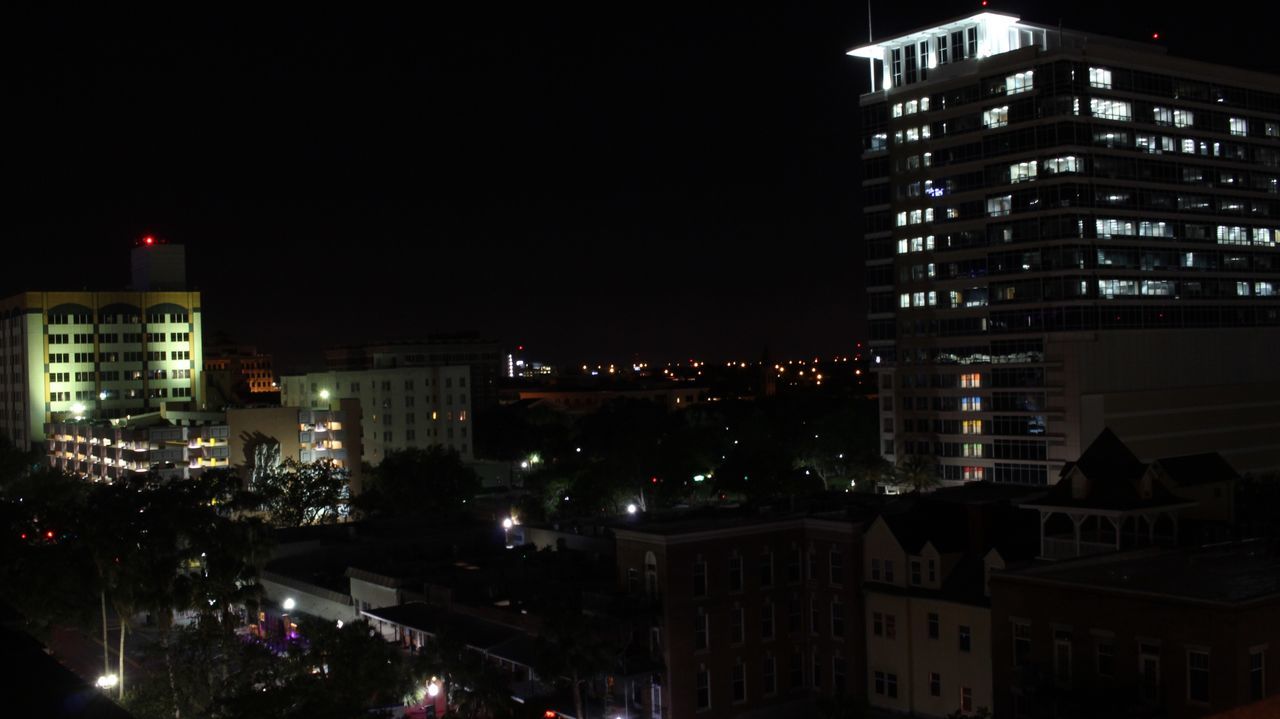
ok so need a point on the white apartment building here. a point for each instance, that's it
(399, 407)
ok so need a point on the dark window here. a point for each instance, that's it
(1198, 676)
(933, 625)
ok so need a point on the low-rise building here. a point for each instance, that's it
(174, 445)
(1166, 631)
(301, 434)
(928, 614)
(751, 614)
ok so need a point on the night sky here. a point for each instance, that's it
(610, 181)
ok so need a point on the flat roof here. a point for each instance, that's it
(1228, 574)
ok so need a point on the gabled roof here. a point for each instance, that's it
(1107, 455)
(1112, 476)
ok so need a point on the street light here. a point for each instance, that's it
(632, 509)
(77, 410)
(289, 604)
(108, 681)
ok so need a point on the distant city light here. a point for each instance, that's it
(339, 623)
(632, 509)
(507, 523)
(289, 604)
(699, 477)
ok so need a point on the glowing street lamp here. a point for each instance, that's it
(107, 681)
(77, 410)
(632, 508)
(288, 604)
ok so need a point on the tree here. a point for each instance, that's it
(572, 648)
(295, 494)
(431, 481)
(918, 472)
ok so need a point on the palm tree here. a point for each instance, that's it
(918, 472)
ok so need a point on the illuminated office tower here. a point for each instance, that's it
(1066, 231)
(100, 355)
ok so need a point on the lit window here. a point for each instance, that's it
(1162, 115)
(897, 109)
(1108, 227)
(1183, 118)
(971, 404)
(1231, 235)
(904, 299)
(996, 116)
(973, 379)
(911, 107)
(1239, 126)
(924, 104)
(971, 426)
(1111, 109)
(902, 219)
(1022, 171)
(971, 449)
(1263, 237)
(1100, 77)
(1056, 165)
(917, 299)
(999, 206)
(1019, 82)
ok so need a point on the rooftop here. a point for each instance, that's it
(1229, 574)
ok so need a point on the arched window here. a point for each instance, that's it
(650, 574)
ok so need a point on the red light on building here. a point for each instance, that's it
(148, 240)
(49, 534)
(653, 480)
(520, 348)
(1155, 36)
(24, 535)
(549, 714)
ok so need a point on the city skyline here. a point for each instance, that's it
(591, 186)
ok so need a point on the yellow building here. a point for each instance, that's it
(100, 355)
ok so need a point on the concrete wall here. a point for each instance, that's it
(1172, 392)
(310, 600)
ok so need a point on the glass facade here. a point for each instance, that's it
(1044, 195)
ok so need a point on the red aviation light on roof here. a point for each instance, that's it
(148, 240)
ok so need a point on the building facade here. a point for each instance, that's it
(1066, 232)
(96, 354)
(303, 435)
(758, 617)
(398, 407)
(235, 375)
(174, 445)
(483, 358)
(1149, 632)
